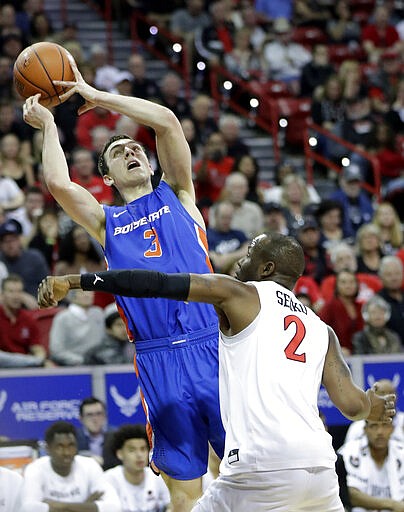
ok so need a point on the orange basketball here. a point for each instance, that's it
(35, 69)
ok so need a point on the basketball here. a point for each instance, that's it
(35, 69)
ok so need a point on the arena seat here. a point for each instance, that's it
(44, 319)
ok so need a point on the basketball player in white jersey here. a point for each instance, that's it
(274, 354)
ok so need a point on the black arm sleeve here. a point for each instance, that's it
(138, 283)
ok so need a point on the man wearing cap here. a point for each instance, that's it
(30, 264)
(284, 59)
(356, 204)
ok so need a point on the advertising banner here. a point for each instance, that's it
(124, 403)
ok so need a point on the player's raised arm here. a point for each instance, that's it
(75, 200)
(351, 400)
(173, 150)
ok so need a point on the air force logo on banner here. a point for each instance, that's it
(3, 399)
(127, 406)
(395, 380)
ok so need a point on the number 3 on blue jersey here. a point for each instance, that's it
(155, 249)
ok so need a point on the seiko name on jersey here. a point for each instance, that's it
(286, 300)
(122, 230)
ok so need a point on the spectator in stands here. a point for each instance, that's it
(212, 169)
(105, 73)
(94, 437)
(114, 347)
(186, 20)
(316, 72)
(247, 216)
(76, 329)
(242, 61)
(343, 257)
(99, 136)
(351, 76)
(171, 95)
(28, 215)
(18, 331)
(14, 163)
(11, 196)
(41, 28)
(295, 199)
(11, 122)
(6, 79)
(282, 59)
(30, 264)
(391, 274)
(229, 127)
(248, 165)
(395, 116)
(376, 338)
(357, 207)
(379, 35)
(12, 45)
(316, 262)
(269, 10)
(78, 251)
(213, 41)
(374, 479)
(84, 174)
(328, 106)
(64, 480)
(343, 311)
(275, 218)
(142, 86)
(11, 485)
(122, 84)
(329, 214)
(383, 145)
(383, 81)
(202, 116)
(356, 429)
(385, 217)
(138, 489)
(311, 13)
(369, 244)
(283, 169)
(46, 238)
(226, 245)
(188, 127)
(97, 116)
(341, 28)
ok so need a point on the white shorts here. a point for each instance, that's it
(292, 490)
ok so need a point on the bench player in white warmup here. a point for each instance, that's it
(274, 355)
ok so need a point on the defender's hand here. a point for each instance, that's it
(382, 408)
(52, 290)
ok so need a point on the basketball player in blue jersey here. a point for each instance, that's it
(274, 354)
(161, 229)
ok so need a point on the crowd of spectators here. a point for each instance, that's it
(352, 72)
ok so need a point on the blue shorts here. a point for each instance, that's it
(179, 379)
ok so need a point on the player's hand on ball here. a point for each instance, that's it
(35, 114)
(80, 86)
(52, 290)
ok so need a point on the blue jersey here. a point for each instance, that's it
(155, 232)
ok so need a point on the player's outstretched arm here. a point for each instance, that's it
(237, 303)
(173, 150)
(350, 399)
(75, 200)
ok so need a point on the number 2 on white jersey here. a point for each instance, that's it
(298, 337)
(155, 250)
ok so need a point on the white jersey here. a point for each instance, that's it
(86, 477)
(365, 475)
(356, 429)
(270, 375)
(150, 496)
(10, 490)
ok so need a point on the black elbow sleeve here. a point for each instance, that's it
(139, 283)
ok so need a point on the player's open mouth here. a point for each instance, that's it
(132, 165)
